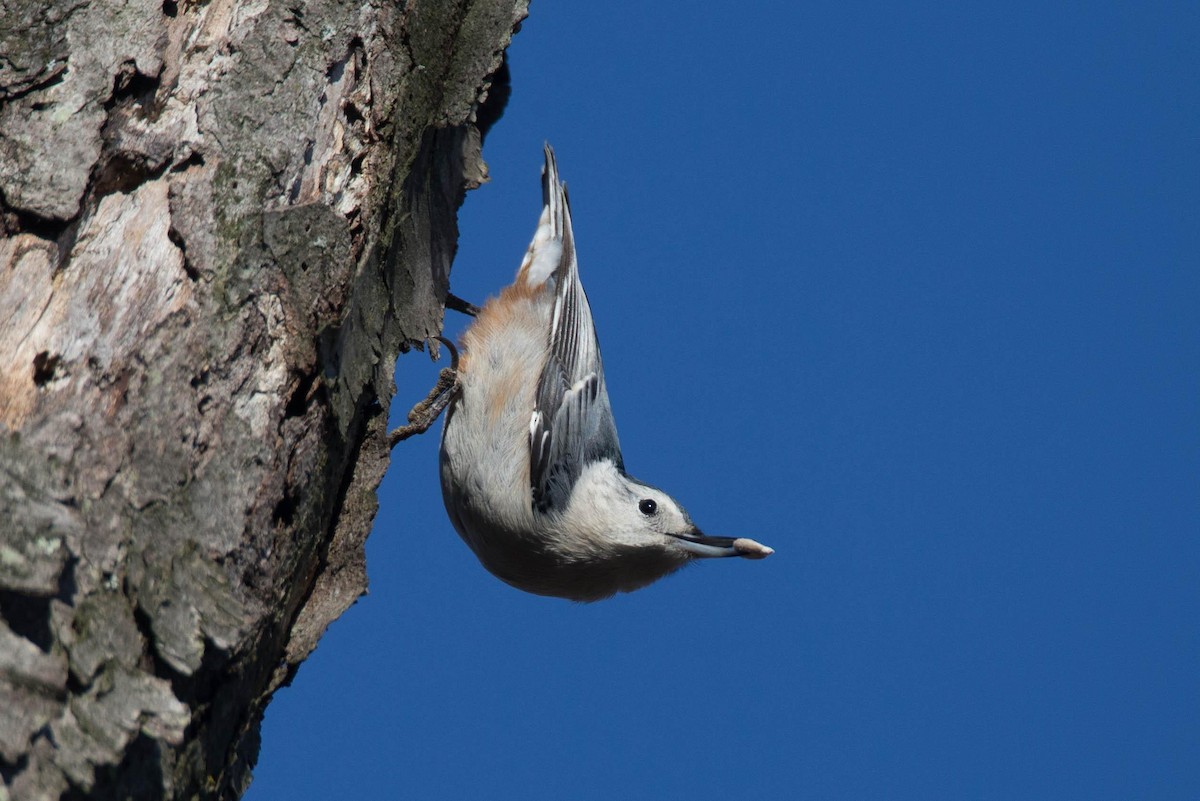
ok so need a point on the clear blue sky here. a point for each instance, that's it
(909, 292)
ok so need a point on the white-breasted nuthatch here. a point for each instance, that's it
(531, 469)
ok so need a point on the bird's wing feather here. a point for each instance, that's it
(572, 423)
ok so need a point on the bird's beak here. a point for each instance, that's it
(703, 545)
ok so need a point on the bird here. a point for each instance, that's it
(531, 469)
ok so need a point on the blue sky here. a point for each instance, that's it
(909, 292)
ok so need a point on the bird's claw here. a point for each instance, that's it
(462, 306)
(426, 412)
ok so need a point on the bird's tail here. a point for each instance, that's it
(552, 251)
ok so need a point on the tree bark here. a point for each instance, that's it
(220, 223)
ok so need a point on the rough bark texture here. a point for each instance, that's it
(220, 222)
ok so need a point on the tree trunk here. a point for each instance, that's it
(220, 222)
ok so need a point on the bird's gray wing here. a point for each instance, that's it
(572, 424)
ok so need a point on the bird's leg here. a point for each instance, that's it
(461, 306)
(423, 415)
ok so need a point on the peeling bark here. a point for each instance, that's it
(220, 222)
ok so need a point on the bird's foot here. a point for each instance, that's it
(425, 413)
(462, 306)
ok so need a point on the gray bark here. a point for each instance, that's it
(220, 222)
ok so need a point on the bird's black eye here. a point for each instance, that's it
(647, 506)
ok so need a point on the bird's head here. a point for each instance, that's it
(612, 510)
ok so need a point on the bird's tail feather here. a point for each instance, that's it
(552, 251)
